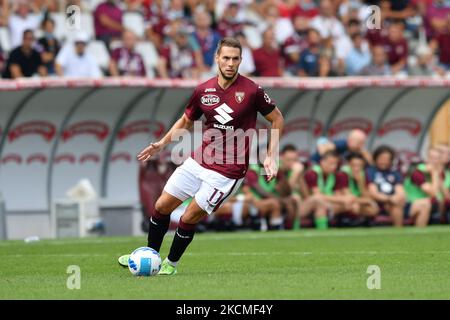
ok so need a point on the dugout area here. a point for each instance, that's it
(52, 132)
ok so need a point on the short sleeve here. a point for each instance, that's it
(193, 110)
(14, 57)
(251, 179)
(341, 181)
(418, 178)
(311, 179)
(264, 103)
(115, 55)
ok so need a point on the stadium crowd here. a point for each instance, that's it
(177, 38)
(341, 184)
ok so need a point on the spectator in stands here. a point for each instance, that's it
(325, 65)
(396, 47)
(398, 9)
(435, 19)
(379, 65)
(441, 45)
(25, 61)
(206, 37)
(350, 9)
(305, 8)
(74, 61)
(247, 66)
(108, 22)
(155, 15)
(328, 25)
(4, 12)
(354, 143)
(426, 63)
(268, 61)
(282, 27)
(229, 25)
(423, 186)
(23, 19)
(48, 45)
(386, 184)
(359, 56)
(325, 187)
(125, 61)
(180, 57)
(296, 43)
(358, 186)
(308, 64)
(344, 45)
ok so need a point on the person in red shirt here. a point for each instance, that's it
(325, 187)
(179, 58)
(396, 47)
(230, 103)
(305, 8)
(125, 61)
(296, 43)
(268, 60)
(441, 45)
(229, 25)
(108, 21)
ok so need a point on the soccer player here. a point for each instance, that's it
(230, 103)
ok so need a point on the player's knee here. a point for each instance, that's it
(162, 207)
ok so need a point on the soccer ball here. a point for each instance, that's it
(144, 261)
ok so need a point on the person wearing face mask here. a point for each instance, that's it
(73, 60)
(48, 45)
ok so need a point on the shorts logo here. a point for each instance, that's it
(210, 100)
(223, 113)
(211, 201)
(239, 96)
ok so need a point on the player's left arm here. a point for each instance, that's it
(277, 124)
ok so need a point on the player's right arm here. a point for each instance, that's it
(155, 147)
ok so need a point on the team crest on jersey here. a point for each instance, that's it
(210, 100)
(239, 96)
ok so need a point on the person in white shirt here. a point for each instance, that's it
(326, 22)
(73, 60)
(23, 19)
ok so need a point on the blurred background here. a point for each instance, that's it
(108, 77)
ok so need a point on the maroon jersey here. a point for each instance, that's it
(228, 113)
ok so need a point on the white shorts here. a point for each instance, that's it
(209, 188)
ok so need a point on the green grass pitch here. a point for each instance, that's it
(305, 264)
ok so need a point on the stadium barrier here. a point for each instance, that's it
(54, 132)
